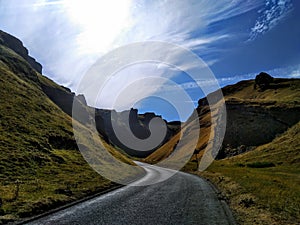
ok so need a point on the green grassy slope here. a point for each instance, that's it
(263, 185)
(253, 117)
(283, 92)
(40, 165)
(167, 149)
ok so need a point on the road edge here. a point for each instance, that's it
(68, 205)
(51, 211)
(228, 211)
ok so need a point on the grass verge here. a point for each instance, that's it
(262, 186)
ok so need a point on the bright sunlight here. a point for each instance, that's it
(101, 22)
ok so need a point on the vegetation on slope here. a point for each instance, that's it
(40, 165)
(254, 117)
(282, 92)
(190, 128)
(263, 186)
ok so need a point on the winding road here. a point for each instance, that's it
(181, 199)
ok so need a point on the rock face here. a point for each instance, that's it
(18, 65)
(62, 98)
(243, 120)
(255, 116)
(139, 123)
(139, 126)
(17, 46)
(250, 125)
(263, 80)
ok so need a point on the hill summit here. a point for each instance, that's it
(17, 46)
(255, 116)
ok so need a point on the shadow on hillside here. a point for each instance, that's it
(277, 86)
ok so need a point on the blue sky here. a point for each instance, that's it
(236, 38)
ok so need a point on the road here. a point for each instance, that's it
(182, 199)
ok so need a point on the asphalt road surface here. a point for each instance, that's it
(182, 199)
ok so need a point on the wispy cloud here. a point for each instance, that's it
(67, 40)
(289, 72)
(185, 23)
(272, 13)
(196, 43)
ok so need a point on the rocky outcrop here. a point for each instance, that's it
(252, 125)
(263, 80)
(139, 126)
(67, 101)
(139, 123)
(60, 97)
(18, 65)
(255, 117)
(17, 46)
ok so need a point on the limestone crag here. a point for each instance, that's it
(17, 46)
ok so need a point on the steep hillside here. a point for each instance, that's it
(262, 186)
(258, 168)
(40, 165)
(16, 45)
(190, 128)
(254, 117)
(139, 123)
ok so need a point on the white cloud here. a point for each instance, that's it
(199, 42)
(183, 22)
(288, 72)
(274, 11)
(68, 36)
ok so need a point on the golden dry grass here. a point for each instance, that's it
(35, 175)
(262, 186)
(275, 190)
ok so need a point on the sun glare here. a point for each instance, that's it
(100, 21)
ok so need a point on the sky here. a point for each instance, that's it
(236, 39)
